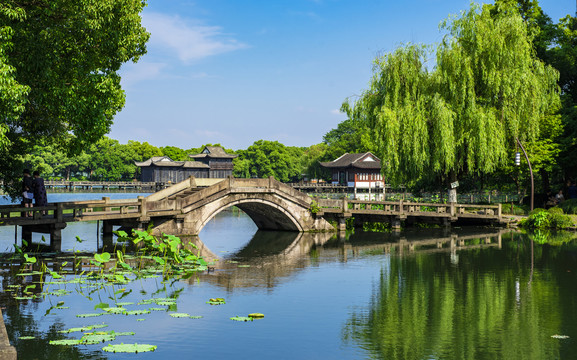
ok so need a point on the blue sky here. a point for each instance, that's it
(237, 71)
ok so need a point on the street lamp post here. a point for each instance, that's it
(518, 162)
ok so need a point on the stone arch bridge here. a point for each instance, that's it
(186, 209)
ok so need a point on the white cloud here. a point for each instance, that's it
(190, 41)
(134, 73)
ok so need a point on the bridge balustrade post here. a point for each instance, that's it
(106, 200)
(230, 181)
(345, 205)
(270, 182)
(142, 204)
(59, 212)
(499, 210)
(452, 209)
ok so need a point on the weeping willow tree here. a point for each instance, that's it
(460, 115)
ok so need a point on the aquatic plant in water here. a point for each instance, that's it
(129, 348)
(92, 275)
(241, 318)
(216, 301)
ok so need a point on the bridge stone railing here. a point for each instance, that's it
(242, 185)
(406, 207)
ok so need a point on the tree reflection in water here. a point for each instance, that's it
(484, 307)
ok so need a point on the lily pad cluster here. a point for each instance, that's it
(107, 275)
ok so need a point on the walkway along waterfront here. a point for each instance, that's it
(185, 208)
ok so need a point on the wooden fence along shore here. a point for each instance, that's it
(105, 185)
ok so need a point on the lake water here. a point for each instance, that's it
(422, 294)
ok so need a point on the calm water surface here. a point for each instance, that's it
(366, 296)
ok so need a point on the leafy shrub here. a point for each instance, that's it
(555, 210)
(553, 218)
(315, 208)
(513, 209)
(557, 219)
(569, 206)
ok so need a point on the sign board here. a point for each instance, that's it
(454, 184)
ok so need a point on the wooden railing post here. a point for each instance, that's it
(499, 210)
(345, 205)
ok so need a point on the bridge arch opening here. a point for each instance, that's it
(265, 214)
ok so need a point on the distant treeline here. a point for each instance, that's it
(109, 160)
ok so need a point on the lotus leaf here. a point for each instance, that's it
(78, 329)
(256, 315)
(102, 258)
(241, 318)
(115, 310)
(27, 337)
(216, 301)
(96, 339)
(136, 312)
(166, 303)
(88, 315)
(67, 342)
(97, 326)
(129, 348)
(180, 315)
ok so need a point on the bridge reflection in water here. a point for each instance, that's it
(271, 256)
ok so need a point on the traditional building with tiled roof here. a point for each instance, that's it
(218, 160)
(359, 171)
(212, 162)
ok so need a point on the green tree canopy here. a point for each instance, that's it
(269, 158)
(462, 115)
(60, 62)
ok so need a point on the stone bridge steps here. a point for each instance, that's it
(184, 194)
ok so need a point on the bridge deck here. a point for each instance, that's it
(107, 209)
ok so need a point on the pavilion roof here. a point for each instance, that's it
(213, 152)
(165, 161)
(362, 161)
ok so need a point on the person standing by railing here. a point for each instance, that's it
(27, 192)
(40, 198)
